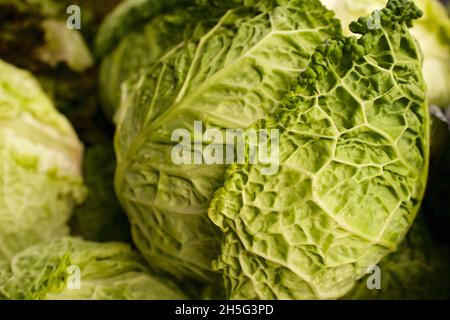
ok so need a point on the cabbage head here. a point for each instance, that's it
(227, 76)
(40, 157)
(353, 154)
(74, 269)
(432, 31)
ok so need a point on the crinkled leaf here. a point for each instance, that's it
(353, 156)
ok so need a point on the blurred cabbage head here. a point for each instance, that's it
(40, 171)
(74, 269)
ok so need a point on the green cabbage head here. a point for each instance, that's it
(74, 269)
(227, 75)
(40, 157)
(353, 155)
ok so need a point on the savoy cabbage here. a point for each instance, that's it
(227, 76)
(73, 269)
(354, 142)
(40, 171)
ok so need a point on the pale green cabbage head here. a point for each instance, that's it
(432, 31)
(229, 74)
(40, 164)
(354, 142)
(73, 269)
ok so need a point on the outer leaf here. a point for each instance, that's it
(353, 155)
(227, 77)
(104, 271)
(40, 157)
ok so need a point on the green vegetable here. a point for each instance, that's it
(73, 269)
(40, 172)
(432, 31)
(100, 217)
(354, 143)
(417, 270)
(350, 141)
(227, 77)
